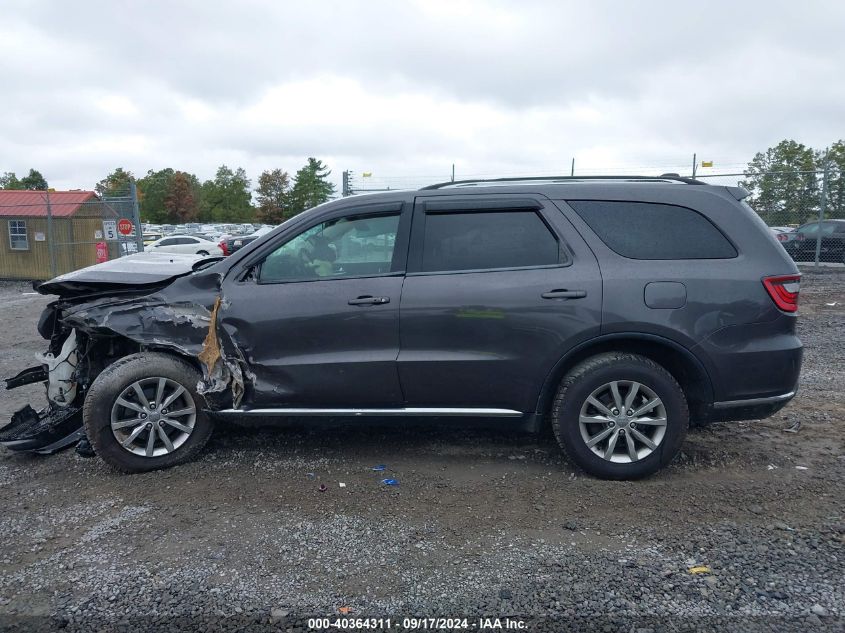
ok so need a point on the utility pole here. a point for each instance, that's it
(453, 172)
(50, 237)
(693, 165)
(572, 169)
(136, 215)
(822, 209)
(345, 183)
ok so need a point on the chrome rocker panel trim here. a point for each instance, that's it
(405, 411)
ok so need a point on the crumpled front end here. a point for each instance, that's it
(90, 330)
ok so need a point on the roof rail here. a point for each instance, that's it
(562, 179)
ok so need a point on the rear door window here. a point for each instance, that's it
(482, 240)
(645, 230)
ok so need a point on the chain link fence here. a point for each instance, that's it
(800, 207)
(49, 233)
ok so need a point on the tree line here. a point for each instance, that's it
(174, 196)
(33, 181)
(786, 180)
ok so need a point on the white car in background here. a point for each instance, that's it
(783, 234)
(187, 244)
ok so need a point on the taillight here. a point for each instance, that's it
(782, 237)
(800, 237)
(222, 245)
(784, 290)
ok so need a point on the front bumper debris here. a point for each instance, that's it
(27, 377)
(43, 432)
(46, 431)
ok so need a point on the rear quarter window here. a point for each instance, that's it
(645, 230)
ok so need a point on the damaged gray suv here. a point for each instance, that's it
(618, 310)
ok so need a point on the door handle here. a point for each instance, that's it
(564, 294)
(368, 300)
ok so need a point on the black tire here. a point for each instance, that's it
(203, 253)
(599, 370)
(118, 376)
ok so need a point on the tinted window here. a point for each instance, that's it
(170, 241)
(345, 247)
(642, 230)
(480, 240)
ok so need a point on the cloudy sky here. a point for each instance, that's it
(405, 89)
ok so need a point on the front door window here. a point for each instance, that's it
(346, 247)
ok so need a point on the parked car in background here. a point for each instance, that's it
(802, 247)
(783, 234)
(151, 237)
(187, 244)
(234, 243)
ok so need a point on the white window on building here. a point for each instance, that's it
(18, 239)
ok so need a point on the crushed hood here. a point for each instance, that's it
(142, 270)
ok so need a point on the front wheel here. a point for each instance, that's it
(620, 416)
(203, 253)
(143, 413)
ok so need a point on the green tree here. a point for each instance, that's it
(34, 181)
(114, 185)
(311, 186)
(152, 192)
(835, 156)
(227, 198)
(181, 203)
(783, 183)
(10, 181)
(273, 195)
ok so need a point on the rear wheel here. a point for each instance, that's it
(143, 413)
(620, 416)
(203, 253)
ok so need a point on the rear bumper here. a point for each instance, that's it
(751, 363)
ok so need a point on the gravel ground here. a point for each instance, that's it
(484, 523)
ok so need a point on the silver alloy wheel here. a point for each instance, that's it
(623, 421)
(153, 416)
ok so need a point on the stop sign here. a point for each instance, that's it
(125, 227)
